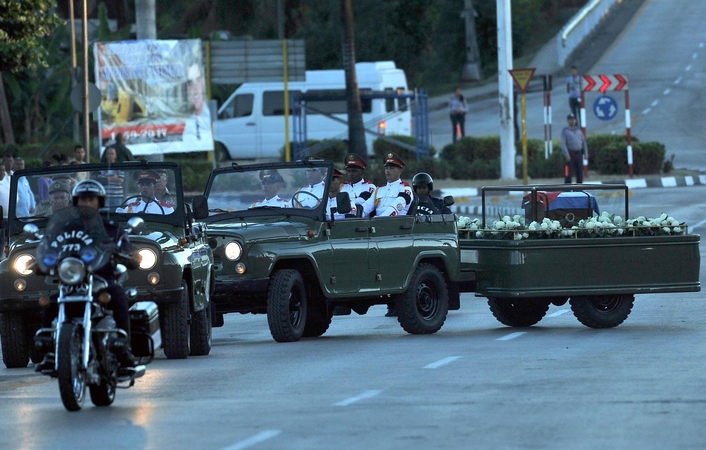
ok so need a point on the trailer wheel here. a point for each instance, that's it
(422, 308)
(602, 311)
(518, 312)
(286, 306)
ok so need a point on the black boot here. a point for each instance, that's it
(391, 312)
(45, 344)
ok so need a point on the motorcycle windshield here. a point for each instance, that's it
(77, 232)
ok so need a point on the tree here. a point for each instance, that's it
(356, 129)
(23, 24)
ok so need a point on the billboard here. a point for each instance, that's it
(154, 92)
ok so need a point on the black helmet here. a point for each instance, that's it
(422, 179)
(89, 188)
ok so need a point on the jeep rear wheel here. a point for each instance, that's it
(15, 345)
(602, 311)
(518, 312)
(423, 307)
(286, 306)
(174, 320)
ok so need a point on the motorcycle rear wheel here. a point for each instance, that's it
(71, 374)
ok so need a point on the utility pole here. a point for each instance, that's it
(356, 129)
(146, 19)
(505, 98)
(471, 71)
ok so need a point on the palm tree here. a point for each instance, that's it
(356, 129)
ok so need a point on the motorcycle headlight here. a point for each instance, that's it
(234, 251)
(22, 263)
(148, 258)
(50, 258)
(72, 271)
(88, 254)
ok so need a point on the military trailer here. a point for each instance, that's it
(290, 257)
(176, 262)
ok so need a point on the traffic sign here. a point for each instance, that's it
(605, 107)
(94, 97)
(606, 83)
(522, 77)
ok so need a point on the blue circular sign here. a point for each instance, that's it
(605, 107)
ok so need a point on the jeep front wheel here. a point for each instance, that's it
(422, 308)
(15, 345)
(286, 305)
(176, 333)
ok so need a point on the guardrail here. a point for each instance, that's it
(581, 26)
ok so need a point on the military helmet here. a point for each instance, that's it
(422, 179)
(89, 188)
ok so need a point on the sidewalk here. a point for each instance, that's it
(463, 190)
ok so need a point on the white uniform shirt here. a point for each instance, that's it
(275, 201)
(332, 204)
(152, 208)
(387, 200)
(306, 200)
(354, 190)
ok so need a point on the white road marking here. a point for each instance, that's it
(441, 362)
(655, 103)
(558, 313)
(688, 68)
(511, 336)
(677, 81)
(647, 111)
(667, 91)
(254, 440)
(695, 55)
(363, 396)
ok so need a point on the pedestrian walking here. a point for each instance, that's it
(573, 88)
(457, 112)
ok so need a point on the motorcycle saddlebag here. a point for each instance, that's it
(144, 324)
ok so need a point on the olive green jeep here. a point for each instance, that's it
(295, 254)
(176, 262)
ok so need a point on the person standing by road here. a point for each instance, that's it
(574, 148)
(123, 153)
(573, 88)
(457, 111)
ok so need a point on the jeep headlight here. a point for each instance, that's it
(234, 250)
(71, 271)
(22, 263)
(148, 258)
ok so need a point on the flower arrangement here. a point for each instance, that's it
(605, 225)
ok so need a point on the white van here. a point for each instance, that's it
(250, 123)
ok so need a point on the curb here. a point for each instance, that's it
(460, 194)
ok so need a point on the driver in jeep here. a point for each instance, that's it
(146, 202)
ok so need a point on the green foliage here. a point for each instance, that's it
(23, 25)
(648, 158)
(597, 142)
(104, 34)
(194, 173)
(381, 147)
(39, 103)
(537, 165)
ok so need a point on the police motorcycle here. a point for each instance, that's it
(85, 339)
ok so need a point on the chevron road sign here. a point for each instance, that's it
(605, 83)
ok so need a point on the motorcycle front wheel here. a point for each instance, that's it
(71, 373)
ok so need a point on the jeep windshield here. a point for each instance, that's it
(131, 189)
(283, 189)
